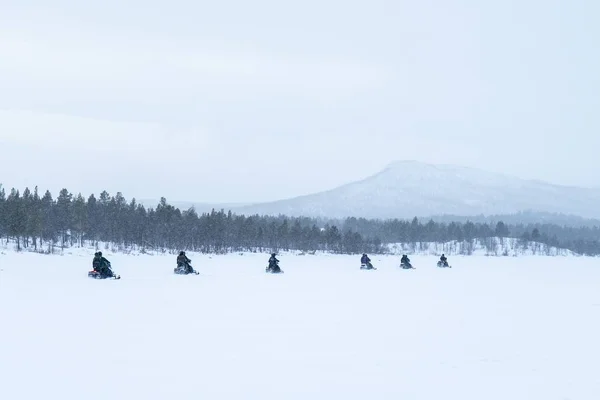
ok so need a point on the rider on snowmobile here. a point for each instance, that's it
(444, 260)
(101, 264)
(405, 260)
(183, 261)
(365, 260)
(273, 264)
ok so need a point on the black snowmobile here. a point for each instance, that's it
(105, 273)
(405, 264)
(365, 263)
(183, 269)
(443, 262)
(273, 267)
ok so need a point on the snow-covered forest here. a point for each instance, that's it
(42, 223)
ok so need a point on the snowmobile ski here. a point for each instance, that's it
(97, 275)
(182, 271)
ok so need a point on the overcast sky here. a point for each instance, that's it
(236, 101)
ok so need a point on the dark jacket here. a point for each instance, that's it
(365, 259)
(183, 260)
(273, 261)
(100, 262)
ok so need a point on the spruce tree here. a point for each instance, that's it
(17, 216)
(80, 218)
(64, 216)
(3, 213)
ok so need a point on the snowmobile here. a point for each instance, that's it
(406, 266)
(274, 269)
(367, 266)
(98, 275)
(182, 269)
(442, 264)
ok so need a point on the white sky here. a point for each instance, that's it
(236, 101)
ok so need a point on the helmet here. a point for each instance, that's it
(273, 254)
(99, 254)
(182, 253)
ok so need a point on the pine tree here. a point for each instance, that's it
(352, 242)
(48, 220)
(334, 239)
(283, 234)
(103, 216)
(415, 231)
(118, 229)
(93, 218)
(132, 224)
(80, 218)
(3, 213)
(17, 217)
(142, 226)
(297, 240)
(35, 223)
(64, 215)
(27, 206)
(501, 230)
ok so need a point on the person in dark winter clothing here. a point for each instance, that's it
(183, 261)
(273, 260)
(444, 260)
(97, 262)
(366, 261)
(405, 261)
(273, 264)
(101, 265)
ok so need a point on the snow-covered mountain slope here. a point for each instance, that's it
(406, 189)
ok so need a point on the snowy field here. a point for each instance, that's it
(500, 328)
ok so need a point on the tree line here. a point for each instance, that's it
(42, 222)
(45, 223)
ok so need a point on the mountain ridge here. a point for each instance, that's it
(405, 189)
(409, 188)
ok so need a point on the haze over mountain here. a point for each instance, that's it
(406, 189)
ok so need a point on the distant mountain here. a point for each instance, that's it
(199, 207)
(406, 189)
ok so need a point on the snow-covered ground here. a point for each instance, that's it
(491, 328)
